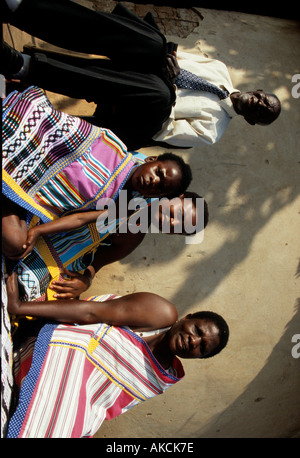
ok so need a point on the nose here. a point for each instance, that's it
(154, 178)
(261, 103)
(254, 100)
(195, 341)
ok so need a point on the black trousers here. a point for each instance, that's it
(133, 96)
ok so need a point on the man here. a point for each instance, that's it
(131, 88)
(139, 92)
(202, 117)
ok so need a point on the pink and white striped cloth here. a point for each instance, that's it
(80, 376)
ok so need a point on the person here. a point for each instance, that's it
(122, 351)
(44, 273)
(54, 163)
(200, 117)
(174, 113)
(118, 246)
(63, 265)
(134, 46)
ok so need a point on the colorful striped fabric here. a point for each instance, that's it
(54, 163)
(80, 376)
(6, 356)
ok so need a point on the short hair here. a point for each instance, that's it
(222, 326)
(186, 171)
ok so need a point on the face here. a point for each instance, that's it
(171, 215)
(256, 107)
(157, 178)
(193, 337)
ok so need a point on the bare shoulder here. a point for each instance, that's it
(161, 311)
(139, 310)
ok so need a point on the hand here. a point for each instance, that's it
(173, 68)
(70, 288)
(32, 235)
(12, 289)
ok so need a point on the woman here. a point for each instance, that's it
(123, 351)
(54, 164)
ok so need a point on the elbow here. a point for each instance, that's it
(87, 317)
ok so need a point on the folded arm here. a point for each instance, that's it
(141, 310)
(121, 246)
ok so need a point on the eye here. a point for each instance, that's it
(159, 172)
(198, 331)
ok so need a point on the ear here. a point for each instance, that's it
(151, 158)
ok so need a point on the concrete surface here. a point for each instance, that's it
(247, 268)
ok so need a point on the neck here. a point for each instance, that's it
(233, 97)
(128, 185)
(160, 349)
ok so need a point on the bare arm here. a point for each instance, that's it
(122, 245)
(141, 310)
(63, 224)
(69, 222)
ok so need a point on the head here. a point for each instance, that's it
(166, 175)
(198, 335)
(172, 216)
(257, 107)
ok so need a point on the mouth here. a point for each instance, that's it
(182, 343)
(143, 182)
(252, 102)
(246, 101)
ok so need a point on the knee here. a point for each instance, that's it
(14, 236)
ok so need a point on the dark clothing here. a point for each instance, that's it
(132, 94)
(121, 35)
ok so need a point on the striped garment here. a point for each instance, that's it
(55, 163)
(6, 356)
(79, 376)
(74, 250)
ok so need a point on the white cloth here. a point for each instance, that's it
(13, 4)
(6, 357)
(199, 117)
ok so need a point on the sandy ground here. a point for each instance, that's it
(247, 267)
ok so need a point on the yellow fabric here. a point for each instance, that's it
(23, 195)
